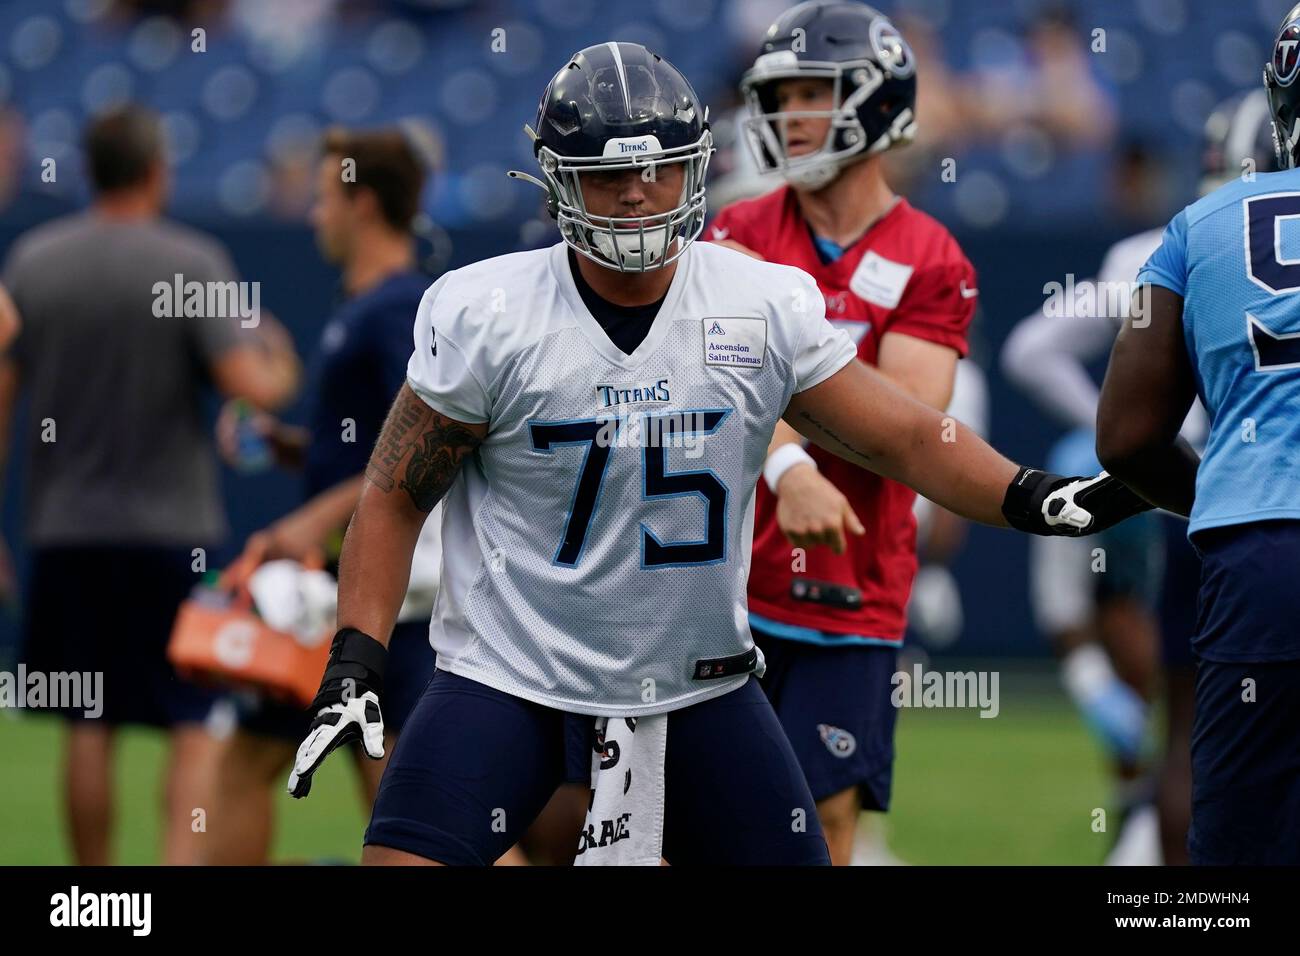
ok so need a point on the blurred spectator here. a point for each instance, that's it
(9, 326)
(1047, 82)
(1033, 97)
(123, 498)
(944, 122)
(11, 154)
(368, 195)
(1067, 101)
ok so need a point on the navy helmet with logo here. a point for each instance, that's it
(617, 106)
(873, 73)
(1280, 75)
(1238, 138)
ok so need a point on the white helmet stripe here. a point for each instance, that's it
(622, 74)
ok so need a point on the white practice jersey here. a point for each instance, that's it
(596, 545)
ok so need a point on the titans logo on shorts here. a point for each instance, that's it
(834, 705)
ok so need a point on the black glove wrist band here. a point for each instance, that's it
(1022, 505)
(354, 656)
(351, 646)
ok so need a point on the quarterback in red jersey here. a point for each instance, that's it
(832, 89)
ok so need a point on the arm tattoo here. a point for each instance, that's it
(856, 452)
(419, 451)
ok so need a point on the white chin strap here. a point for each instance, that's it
(628, 248)
(816, 174)
(813, 176)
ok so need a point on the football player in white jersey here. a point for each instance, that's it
(595, 416)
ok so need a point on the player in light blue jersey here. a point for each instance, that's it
(1218, 315)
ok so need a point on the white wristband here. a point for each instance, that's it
(782, 460)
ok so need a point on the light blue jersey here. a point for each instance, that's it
(1234, 257)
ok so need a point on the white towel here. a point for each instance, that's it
(295, 599)
(625, 817)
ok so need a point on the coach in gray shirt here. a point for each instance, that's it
(126, 319)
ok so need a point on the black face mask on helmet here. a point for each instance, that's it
(872, 72)
(616, 107)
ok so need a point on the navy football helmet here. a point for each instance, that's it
(873, 72)
(1239, 129)
(1280, 74)
(617, 106)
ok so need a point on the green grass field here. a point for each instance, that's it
(1016, 789)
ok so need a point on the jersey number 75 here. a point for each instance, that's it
(600, 438)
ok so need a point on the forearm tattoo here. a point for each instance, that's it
(856, 452)
(419, 451)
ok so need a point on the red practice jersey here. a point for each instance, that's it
(906, 274)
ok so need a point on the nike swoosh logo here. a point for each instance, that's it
(719, 233)
(968, 293)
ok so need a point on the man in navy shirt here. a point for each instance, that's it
(368, 194)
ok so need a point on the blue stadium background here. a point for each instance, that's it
(238, 114)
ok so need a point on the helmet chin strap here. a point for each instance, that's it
(636, 250)
(630, 250)
(815, 175)
(821, 173)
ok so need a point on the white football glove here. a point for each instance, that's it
(1043, 503)
(346, 706)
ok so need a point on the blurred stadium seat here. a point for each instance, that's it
(230, 110)
(243, 120)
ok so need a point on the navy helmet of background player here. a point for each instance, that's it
(617, 106)
(873, 72)
(1280, 76)
(1238, 139)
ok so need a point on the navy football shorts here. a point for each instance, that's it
(1246, 764)
(834, 704)
(475, 766)
(1178, 595)
(1246, 732)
